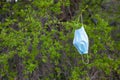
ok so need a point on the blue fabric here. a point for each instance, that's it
(81, 41)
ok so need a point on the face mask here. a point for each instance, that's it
(81, 41)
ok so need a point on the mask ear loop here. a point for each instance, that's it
(87, 53)
(84, 60)
(81, 19)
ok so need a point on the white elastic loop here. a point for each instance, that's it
(81, 19)
(84, 60)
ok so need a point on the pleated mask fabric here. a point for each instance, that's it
(81, 41)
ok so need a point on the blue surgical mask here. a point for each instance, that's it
(81, 41)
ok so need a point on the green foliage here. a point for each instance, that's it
(35, 44)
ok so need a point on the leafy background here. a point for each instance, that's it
(36, 40)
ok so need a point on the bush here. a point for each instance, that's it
(35, 44)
